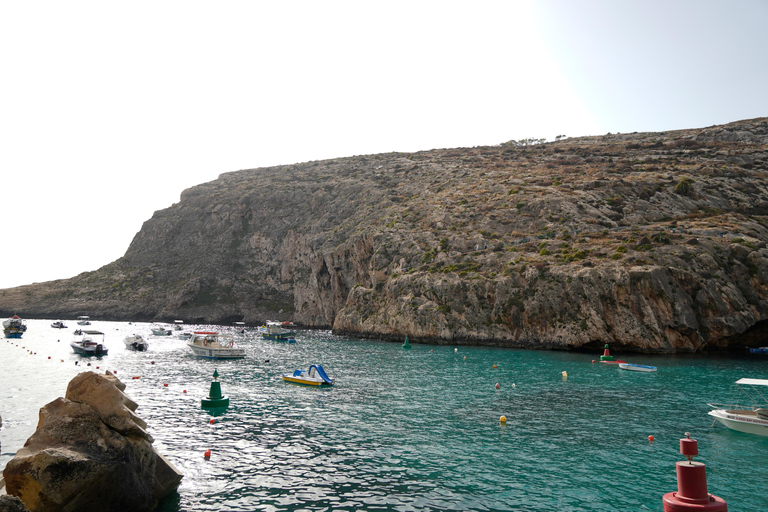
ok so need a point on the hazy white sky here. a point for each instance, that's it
(109, 110)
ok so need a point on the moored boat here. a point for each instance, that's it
(161, 331)
(136, 342)
(758, 350)
(751, 418)
(89, 343)
(14, 327)
(58, 324)
(314, 376)
(83, 320)
(278, 331)
(214, 345)
(637, 367)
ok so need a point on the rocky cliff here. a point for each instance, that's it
(648, 241)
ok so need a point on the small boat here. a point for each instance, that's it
(184, 335)
(58, 324)
(315, 376)
(161, 331)
(213, 345)
(90, 344)
(751, 418)
(177, 325)
(83, 320)
(14, 327)
(278, 331)
(637, 367)
(136, 342)
(239, 327)
(758, 350)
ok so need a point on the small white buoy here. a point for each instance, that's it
(455, 350)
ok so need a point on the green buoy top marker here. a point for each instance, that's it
(215, 398)
(406, 344)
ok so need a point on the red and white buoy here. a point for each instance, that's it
(692, 484)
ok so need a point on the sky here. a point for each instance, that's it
(109, 110)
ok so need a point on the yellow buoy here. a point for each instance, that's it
(565, 375)
(503, 419)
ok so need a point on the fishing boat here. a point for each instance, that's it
(637, 367)
(278, 331)
(751, 417)
(89, 343)
(315, 376)
(14, 327)
(58, 324)
(161, 331)
(136, 342)
(83, 320)
(213, 345)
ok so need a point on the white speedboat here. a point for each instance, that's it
(136, 342)
(83, 320)
(89, 343)
(637, 367)
(58, 324)
(315, 376)
(751, 418)
(213, 345)
(161, 331)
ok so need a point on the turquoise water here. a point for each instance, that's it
(410, 429)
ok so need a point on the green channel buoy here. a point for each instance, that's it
(406, 344)
(215, 398)
(606, 354)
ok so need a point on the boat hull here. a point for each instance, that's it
(217, 353)
(305, 382)
(747, 423)
(637, 367)
(88, 351)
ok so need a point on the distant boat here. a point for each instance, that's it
(136, 342)
(240, 327)
(751, 418)
(161, 331)
(58, 325)
(178, 325)
(758, 350)
(315, 376)
(83, 320)
(212, 345)
(91, 343)
(637, 367)
(278, 331)
(14, 327)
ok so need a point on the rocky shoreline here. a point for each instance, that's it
(90, 452)
(652, 242)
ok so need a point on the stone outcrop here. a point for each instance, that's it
(649, 241)
(90, 452)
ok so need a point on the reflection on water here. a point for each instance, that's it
(406, 429)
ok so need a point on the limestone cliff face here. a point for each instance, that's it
(649, 241)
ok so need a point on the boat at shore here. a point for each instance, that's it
(89, 343)
(751, 418)
(136, 342)
(58, 324)
(758, 350)
(315, 376)
(214, 345)
(14, 327)
(278, 331)
(637, 367)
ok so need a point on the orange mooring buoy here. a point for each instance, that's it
(207, 454)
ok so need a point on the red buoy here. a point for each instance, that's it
(651, 438)
(497, 385)
(165, 384)
(212, 421)
(692, 492)
(207, 454)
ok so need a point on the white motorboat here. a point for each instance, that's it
(213, 345)
(58, 324)
(161, 331)
(83, 320)
(178, 325)
(637, 367)
(136, 342)
(89, 343)
(751, 417)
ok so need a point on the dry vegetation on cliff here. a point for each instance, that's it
(653, 241)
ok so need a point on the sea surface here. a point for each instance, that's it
(405, 430)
